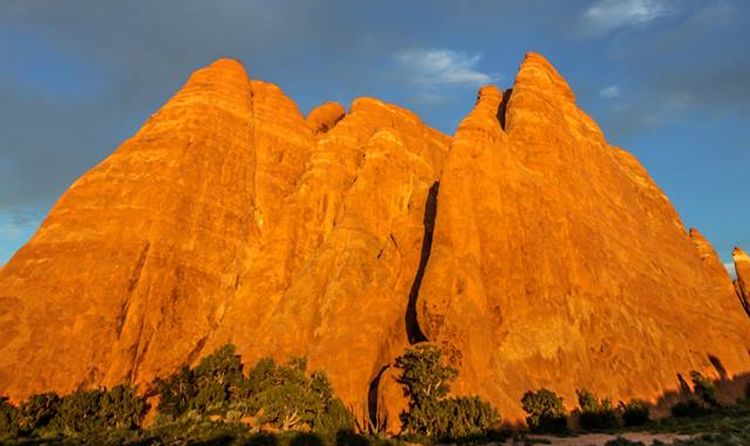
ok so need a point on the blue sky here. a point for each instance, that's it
(668, 80)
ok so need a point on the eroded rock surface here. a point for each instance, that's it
(532, 250)
(558, 262)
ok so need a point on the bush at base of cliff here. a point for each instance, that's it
(287, 399)
(37, 411)
(704, 389)
(465, 417)
(86, 411)
(8, 419)
(595, 414)
(425, 382)
(546, 413)
(688, 409)
(635, 413)
(278, 396)
(208, 388)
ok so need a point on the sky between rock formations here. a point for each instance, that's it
(668, 80)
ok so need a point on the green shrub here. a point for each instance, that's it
(79, 413)
(546, 413)
(595, 414)
(635, 413)
(84, 411)
(216, 379)
(176, 393)
(287, 399)
(122, 408)
(205, 432)
(424, 378)
(704, 389)
(688, 409)
(206, 389)
(465, 417)
(425, 382)
(8, 419)
(36, 412)
(281, 396)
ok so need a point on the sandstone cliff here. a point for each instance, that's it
(531, 249)
(558, 262)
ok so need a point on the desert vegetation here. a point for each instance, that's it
(431, 413)
(270, 403)
(220, 401)
(546, 413)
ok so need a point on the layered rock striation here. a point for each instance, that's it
(531, 250)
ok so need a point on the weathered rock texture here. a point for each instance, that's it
(533, 251)
(558, 262)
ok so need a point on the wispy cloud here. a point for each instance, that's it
(610, 92)
(443, 67)
(16, 226)
(606, 16)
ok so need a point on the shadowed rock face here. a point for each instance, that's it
(742, 284)
(545, 257)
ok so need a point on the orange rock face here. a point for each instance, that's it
(532, 250)
(558, 262)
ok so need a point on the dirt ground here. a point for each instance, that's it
(600, 439)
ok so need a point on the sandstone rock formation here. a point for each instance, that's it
(557, 261)
(527, 246)
(742, 284)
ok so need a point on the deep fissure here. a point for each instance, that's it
(372, 402)
(413, 332)
(503, 107)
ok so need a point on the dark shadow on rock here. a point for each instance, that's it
(413, 331)
(376, 425)
(742, 295)
(716, 362)
(503, 107)
(728, 391)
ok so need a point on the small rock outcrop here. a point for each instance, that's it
(322, 118)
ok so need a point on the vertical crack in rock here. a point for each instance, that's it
(196, 351)
(413, 332)
(135, 277)
(719, 367)
(372, 402)
(503, 107)
(741, 296)
(138, 353)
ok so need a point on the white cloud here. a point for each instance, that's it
(606, 16)
(443, 67)
(610, 92)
